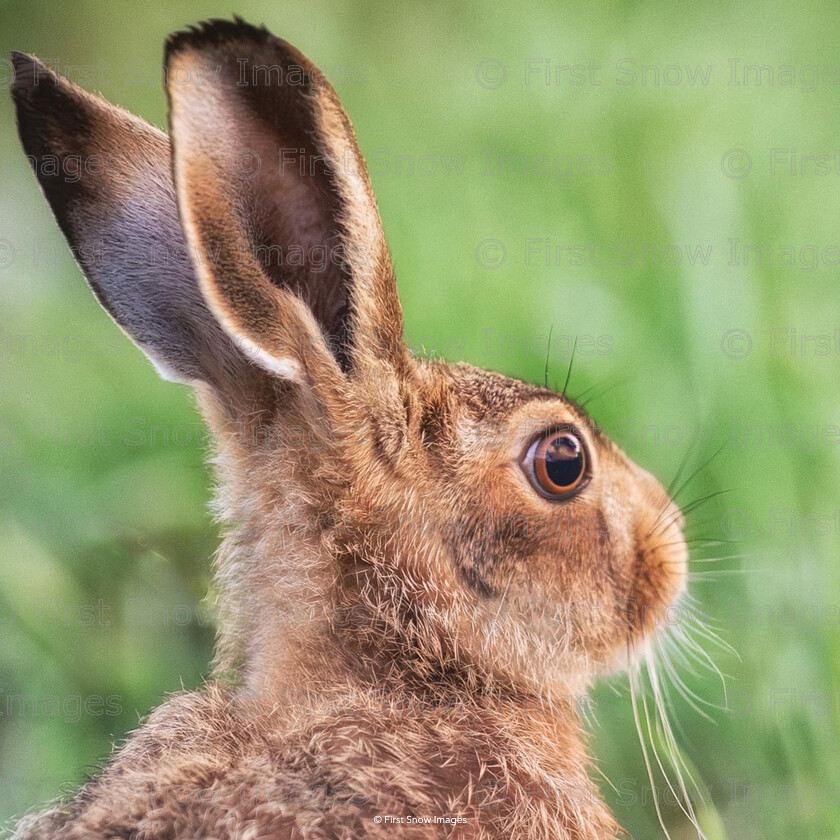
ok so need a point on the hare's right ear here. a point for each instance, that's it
(107, 176)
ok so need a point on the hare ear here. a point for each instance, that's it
(276, 201)
(107, 177)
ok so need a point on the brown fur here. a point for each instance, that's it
(407, 625)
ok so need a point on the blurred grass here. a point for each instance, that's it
(116, 522)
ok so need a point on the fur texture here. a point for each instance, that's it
(407, 624)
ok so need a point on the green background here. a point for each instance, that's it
(630, 173)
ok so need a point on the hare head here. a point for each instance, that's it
(431, 520)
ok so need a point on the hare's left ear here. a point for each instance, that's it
(276, 202)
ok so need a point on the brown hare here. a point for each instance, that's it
(425, 564)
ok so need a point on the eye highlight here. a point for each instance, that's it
(556, 464)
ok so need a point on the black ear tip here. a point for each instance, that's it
(29, 73)
(25, 67)
(215, 32)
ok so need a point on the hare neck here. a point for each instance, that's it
(292, 624)
(305, 660)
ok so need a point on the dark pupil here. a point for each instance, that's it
(563, 461)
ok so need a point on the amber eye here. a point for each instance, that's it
(556, 464)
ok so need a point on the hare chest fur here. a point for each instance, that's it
(425, 565)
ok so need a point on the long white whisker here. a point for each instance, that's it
(696, 652)
(685, 692)
(683, 802)
(670, 741)
(666, 689)
(710, 635)
(645, 755)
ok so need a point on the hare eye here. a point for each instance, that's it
(556, 464)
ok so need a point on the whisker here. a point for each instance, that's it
(682, 655)
(713, 575)
(637, 721)
(710, 540)
(716, 559)
(666, 691)
(687, 811)
(710, 635)
(685, 692)
(685, 511)
(569, 371)
(595, 394)
(547, 355)
(696, 472)
(706, 542)
(699, 655)
(692, 506)
(675, 754)
(674, 493)
(682, 466)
